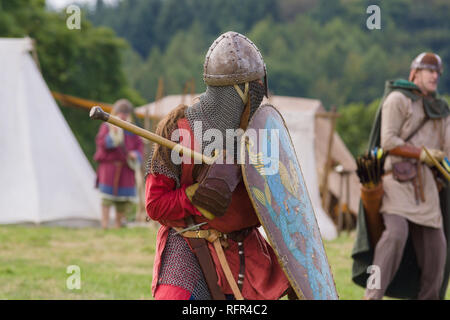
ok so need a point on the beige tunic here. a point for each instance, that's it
(400, 117)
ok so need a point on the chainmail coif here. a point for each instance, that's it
(219, 108)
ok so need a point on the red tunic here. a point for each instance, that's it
(112, 160)
(264, 278)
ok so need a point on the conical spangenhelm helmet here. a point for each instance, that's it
(233, 59)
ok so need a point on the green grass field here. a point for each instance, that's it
(114, 264)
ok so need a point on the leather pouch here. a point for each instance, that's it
(404, 171)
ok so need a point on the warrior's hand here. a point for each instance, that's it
(409, 151)
(216, 187)
(437, 154)
(190, 191)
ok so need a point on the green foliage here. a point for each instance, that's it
(312, 48)
(183, 55)
(355, 123)
(324, 52)
(150, 23)
(85, 63)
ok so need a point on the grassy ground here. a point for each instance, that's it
(338, 252)
(114, 264)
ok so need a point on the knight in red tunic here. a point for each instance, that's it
(189, 264)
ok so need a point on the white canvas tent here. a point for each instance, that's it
(301, 124)
(310, 134)
(45, 178)
(310, 137)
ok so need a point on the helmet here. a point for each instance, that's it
(428, 60)
(233, 59)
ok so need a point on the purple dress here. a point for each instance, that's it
(115, 179)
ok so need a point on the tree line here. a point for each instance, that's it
(317, 49)
(313, 48)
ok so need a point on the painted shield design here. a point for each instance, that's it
(275, 184)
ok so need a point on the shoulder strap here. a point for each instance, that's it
(412, 134)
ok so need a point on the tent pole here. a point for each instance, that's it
(332, 115)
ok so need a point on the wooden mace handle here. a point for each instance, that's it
(98, 114)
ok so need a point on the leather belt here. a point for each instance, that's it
(209, 234)
(212, 234)
(201, 251)
(240, 235)
(219, 240)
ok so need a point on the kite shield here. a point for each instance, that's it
(275, 184)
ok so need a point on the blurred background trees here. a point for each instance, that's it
(317, 49)
(86, 63)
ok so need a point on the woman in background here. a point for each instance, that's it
(118, 154)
